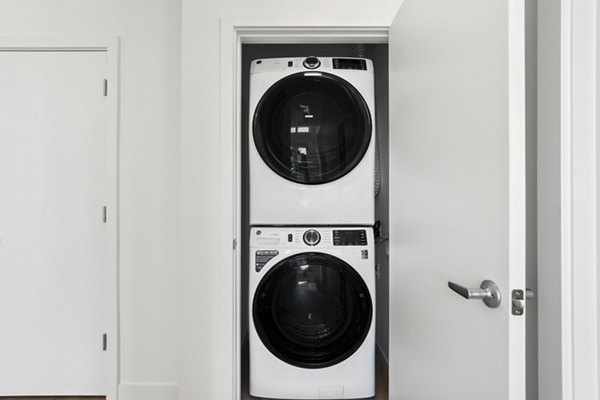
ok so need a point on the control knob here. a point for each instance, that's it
(312, 62)
(311, 237)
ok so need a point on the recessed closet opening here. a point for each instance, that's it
(378, 53)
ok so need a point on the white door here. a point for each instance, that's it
(54, 183)
(457, 199)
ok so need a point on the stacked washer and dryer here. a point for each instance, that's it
(312, 261)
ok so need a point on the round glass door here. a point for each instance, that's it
(312, 310)
(312, 128)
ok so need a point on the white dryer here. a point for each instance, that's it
(312, 313)
(312, 141)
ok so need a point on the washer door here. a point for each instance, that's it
(312, 127)
(312, 310)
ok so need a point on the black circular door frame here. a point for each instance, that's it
(312, 128)
(312, 310)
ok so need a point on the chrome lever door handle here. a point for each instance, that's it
(488, 292)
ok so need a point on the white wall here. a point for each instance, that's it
(199, 162)
(580, 101)
(149, 168)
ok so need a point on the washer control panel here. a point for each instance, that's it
(311, 237)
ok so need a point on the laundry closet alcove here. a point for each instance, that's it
(451, 108)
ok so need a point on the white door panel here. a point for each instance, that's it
(53, 243)
(456, 199)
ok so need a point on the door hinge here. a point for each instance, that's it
(106, 87)
(104, 342)
(234, 244)
(104, 212)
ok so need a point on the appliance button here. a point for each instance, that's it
(311, 237)
(312, 62)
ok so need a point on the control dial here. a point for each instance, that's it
(311, 237)
(312, 62)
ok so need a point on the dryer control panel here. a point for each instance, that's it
(312, 64)
(350, 63)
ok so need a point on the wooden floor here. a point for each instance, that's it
(53, 398)
(381, 376)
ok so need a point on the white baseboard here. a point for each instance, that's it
(148, 391)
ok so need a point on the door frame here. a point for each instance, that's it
(111, 46)
(236, 31)
(579, 192)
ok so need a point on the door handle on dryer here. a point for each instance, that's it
(488, 292)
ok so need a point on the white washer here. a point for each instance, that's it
(312, 141)
(312, 313)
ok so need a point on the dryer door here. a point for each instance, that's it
(312, 127)
(312, 310)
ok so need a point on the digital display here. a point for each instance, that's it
(349, 63)
(350, 238)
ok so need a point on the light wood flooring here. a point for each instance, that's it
(53, 398)
(381, 379)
